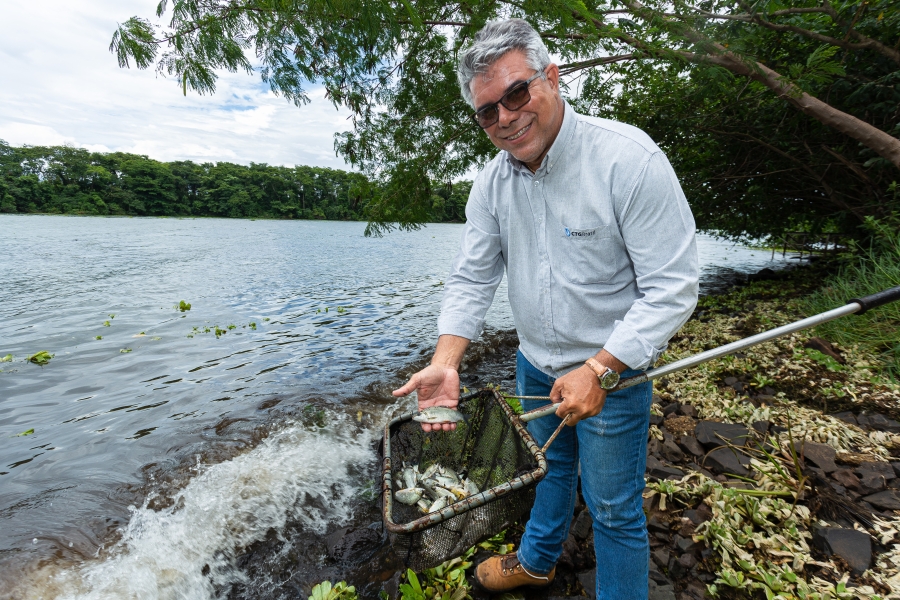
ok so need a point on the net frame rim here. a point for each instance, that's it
(468, 503)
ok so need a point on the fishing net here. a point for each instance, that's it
(492, 448)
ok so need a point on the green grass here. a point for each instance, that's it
(872, 270)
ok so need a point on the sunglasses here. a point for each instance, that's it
(514, 99)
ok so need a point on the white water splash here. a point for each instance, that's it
(162, 554)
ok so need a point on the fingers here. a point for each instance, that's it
(408, 387)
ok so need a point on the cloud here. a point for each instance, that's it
(61, 85)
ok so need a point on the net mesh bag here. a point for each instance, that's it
(492, 448)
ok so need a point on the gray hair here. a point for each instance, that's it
(494, 40)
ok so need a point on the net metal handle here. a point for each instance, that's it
(857, 305)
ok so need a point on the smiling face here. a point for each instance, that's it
(529, 132)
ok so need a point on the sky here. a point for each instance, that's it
(59, 84)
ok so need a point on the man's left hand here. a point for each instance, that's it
(580, 393)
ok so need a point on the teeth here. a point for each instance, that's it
(519, 133)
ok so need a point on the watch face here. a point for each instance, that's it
(609, 380)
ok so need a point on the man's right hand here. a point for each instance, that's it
(437, 385)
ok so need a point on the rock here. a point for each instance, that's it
(726, 460)
(764, 399)
(870, 482)
(688, 411)
(825, 347)
(882, 468)
(886, 500)
(661, 592)
(896, 466)
(712, 433)
(698, 515)
(654, 525)
(353, 546)
(729, 381)
(762, 275)
(687, 561)
(853, 546)
(761, 427)
(656, 420)
(821, 455)
(588, 580)
(671, 452)
(738, 387)
(653, 447)
(661, 557)
(863, 421)
(687, 544)
(582, 526)
(671, 409)
(676, 570)
(846, 417)
(882, 423)
(846, 478)
(657, 399)
(680, 425)
(690, 445)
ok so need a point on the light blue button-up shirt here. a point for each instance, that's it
(598, 246)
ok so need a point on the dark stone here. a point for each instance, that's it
(896, 467)
(711, 433)
(846, 478)
(688, 411)
(731, 380)
(582, 526)
(652, 448)
(886, 500)
(354, 546)
(656, 420)
(777, 429)
(658, 469)
(698, 515)
(870, 482)
(881, 468)
(853, 546)
(821, 455)
(846, 417)
(738, 387)
(882, 423)
(671, 452)
(726, 460)
(686, 544)
(588, 580)
(660, 592)
(863, 421)
(661, 557)
(657, 399)
(671, 409)
(690, 445)
(762, 275)
(761, 427)
(764, 399)
(825, 347)
(654, 525)
(687, 561)
(676, 571)
(658, 577)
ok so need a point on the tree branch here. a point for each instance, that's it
(595, 62)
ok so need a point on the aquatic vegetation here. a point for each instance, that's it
(338, 591)
(24, 433)
(98, 337)
(106, 323)
(7, 358)
(266, 319)
(232, 326)
(112, 316)
(156, 338)
(183, 306)
(252, 325)
(40, 358)
(125, 350)
(220, 332)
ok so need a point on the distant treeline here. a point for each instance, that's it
(67, 180)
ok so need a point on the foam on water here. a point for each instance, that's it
(163, 554)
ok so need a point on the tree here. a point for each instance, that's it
(392, 63)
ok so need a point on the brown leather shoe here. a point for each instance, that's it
(503, 573)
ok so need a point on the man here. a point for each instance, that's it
(589, 221)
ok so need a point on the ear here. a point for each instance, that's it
(552, 72)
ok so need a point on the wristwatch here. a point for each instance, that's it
(608, 378)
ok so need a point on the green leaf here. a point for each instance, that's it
(24, 433)
(40, 358)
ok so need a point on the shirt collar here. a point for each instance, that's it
(558, 147)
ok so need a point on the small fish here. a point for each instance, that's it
(424, 505)
(471, 487)
(409, 496)
(430, 471)
(439, 504)
(439, 414)
(409, 478)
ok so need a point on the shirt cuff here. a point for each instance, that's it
(632, 348)
(460, 324)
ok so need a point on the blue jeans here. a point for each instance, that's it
(612, 450)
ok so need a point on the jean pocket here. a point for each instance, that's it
(585, 255)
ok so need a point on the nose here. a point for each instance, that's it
(506, 116)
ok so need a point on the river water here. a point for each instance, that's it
(169, 446)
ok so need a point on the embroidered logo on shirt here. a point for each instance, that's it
(580, 233)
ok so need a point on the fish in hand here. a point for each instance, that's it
(439, 414)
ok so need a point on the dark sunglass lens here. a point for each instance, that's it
(517, 97)
(487, 116)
